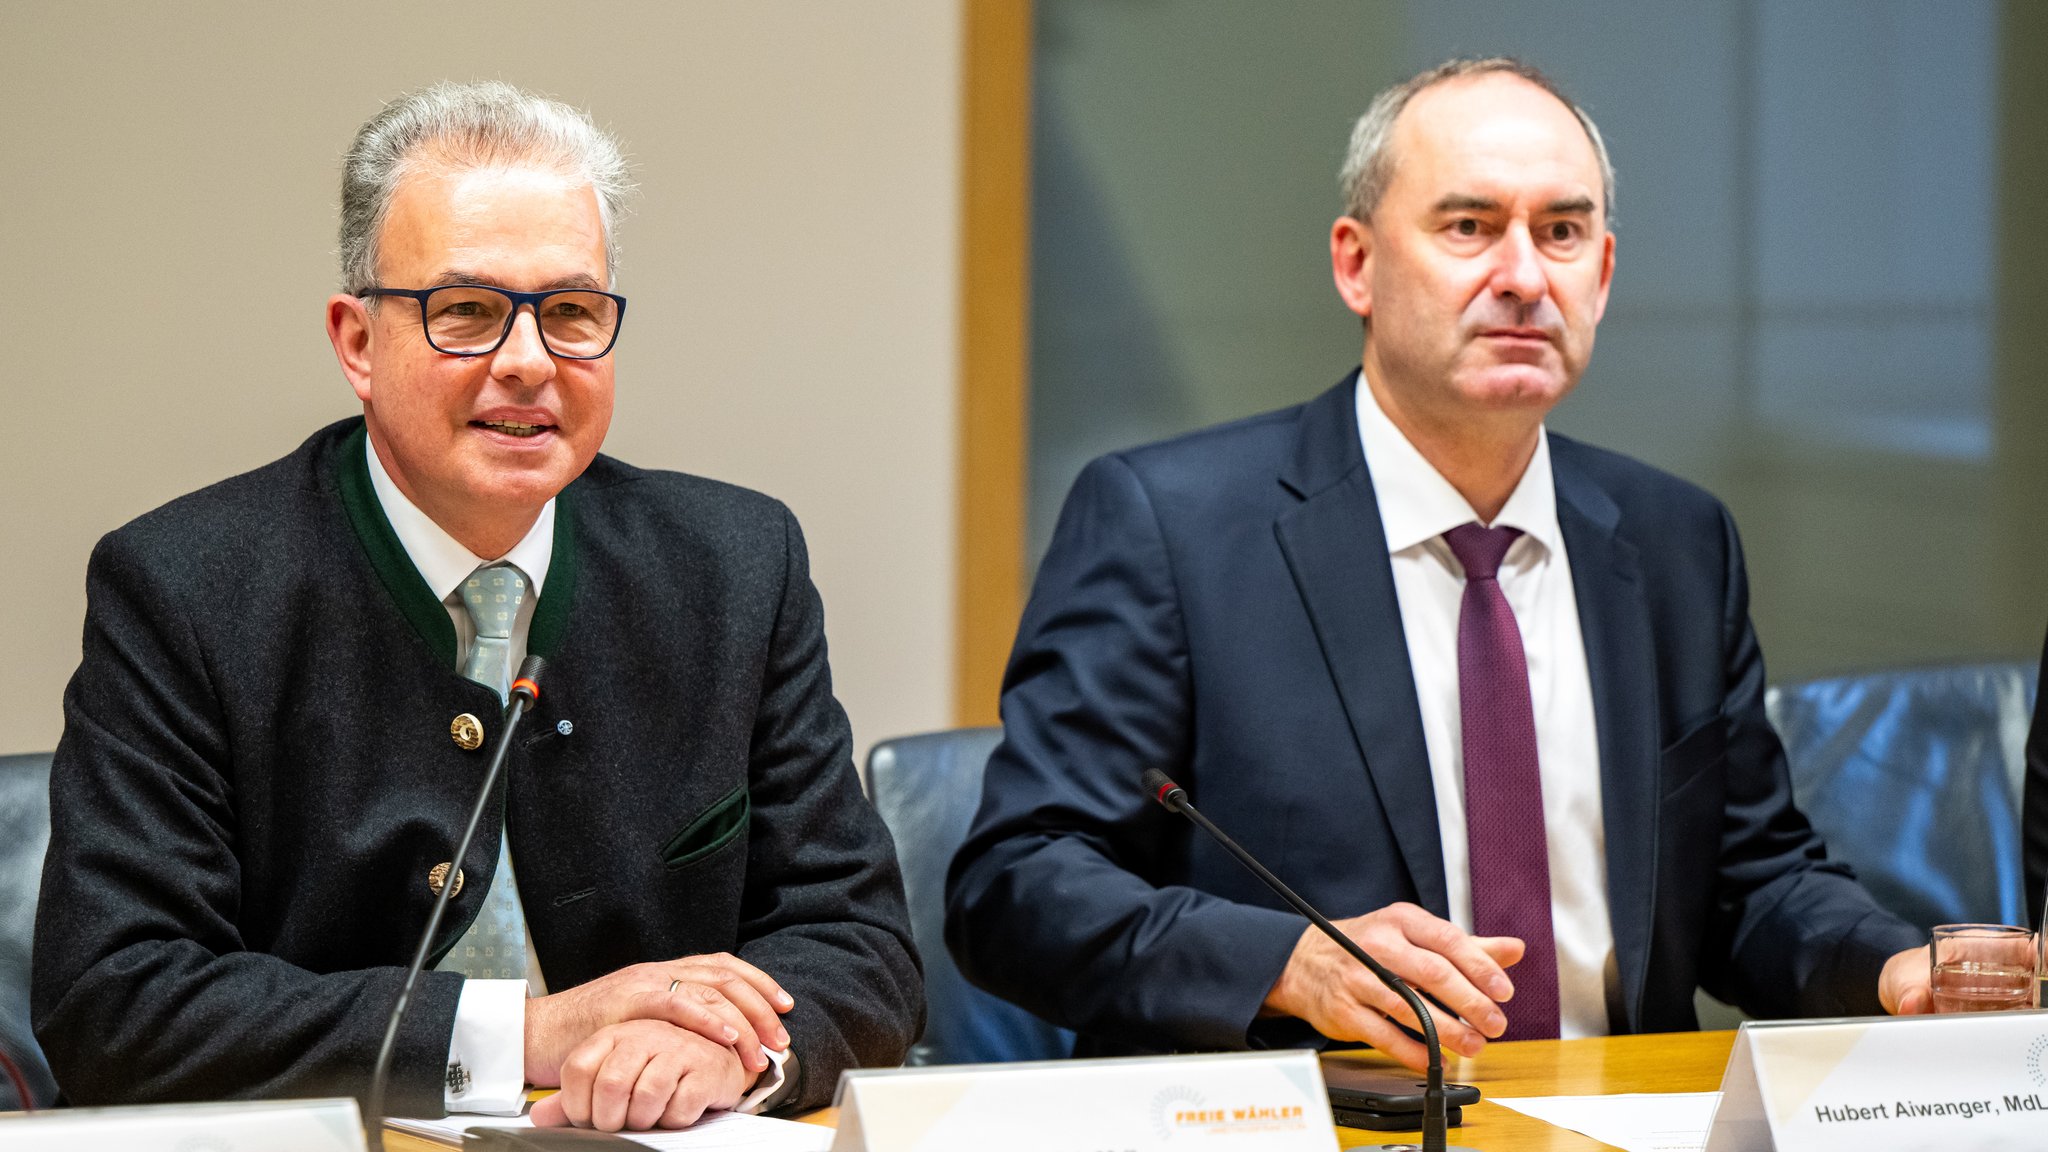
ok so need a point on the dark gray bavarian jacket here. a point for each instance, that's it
(257, 773)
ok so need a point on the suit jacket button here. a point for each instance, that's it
(468, 732)
(438, 875)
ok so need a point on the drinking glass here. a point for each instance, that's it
(1983, 967)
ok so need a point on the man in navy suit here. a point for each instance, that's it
(1489, 694)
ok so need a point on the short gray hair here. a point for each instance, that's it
(478, 125)
(1369, 162)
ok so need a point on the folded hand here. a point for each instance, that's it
(720, 997)
(643, 1074)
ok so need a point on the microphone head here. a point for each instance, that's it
(1160, 785)
(527, 683)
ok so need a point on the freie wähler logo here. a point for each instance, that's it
(2035, 1054)
(1180, 1110)
(1170, 1102)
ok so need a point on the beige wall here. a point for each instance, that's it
(167, 240)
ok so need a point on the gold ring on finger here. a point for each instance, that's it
(675, 984)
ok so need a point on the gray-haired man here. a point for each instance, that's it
(291, 680)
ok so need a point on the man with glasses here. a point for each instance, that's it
(292, 681)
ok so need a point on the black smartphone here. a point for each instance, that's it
(1391, 1121)
(1385, 1099)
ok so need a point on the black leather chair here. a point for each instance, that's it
(1914, 779)
(24, 834)
(927, 789)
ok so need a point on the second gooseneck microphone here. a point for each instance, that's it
(525, 693)
(1434, 1112)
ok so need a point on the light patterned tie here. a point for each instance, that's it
(493, 594)
(494, 948)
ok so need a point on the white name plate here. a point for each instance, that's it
(252, 1126)
(1240, 1102)
(1958, 1083)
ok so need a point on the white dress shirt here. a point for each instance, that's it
(1417, 506)
(490, 1015)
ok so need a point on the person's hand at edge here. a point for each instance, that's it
(1906, 984)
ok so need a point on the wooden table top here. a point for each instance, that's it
(1665, 1062)
(1668, 1062)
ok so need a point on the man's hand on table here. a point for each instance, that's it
(644, 1074)
(1325, 986)
(720, 998)
(1905, 986)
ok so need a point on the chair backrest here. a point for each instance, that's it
(927, 789)
(1914, 777)
(24, 834)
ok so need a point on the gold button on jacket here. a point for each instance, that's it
(438, 875)
(468, 732)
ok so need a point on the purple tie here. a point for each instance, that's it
(1503, 791)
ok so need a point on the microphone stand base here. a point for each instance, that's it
(1405, 1146)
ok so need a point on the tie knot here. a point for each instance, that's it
(492, 594)
(1479, 550)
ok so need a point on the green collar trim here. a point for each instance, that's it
(551, 615)
(409, 592)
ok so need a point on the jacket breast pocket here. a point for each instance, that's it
(716, 827)
(1699, 751)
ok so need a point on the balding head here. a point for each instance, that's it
(1370, 160)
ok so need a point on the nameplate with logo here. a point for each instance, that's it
(1883, 1084)
(249, 1126)
(1239, 1102)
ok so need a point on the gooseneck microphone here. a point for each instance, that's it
(525, 693)
(1434, 1113)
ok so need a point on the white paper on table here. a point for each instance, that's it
(716, 1131)
(1634, 1121)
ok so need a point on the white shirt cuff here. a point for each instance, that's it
(768, 1089)
(487, 1055)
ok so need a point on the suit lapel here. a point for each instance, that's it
(1614, 619)
(1336, 551)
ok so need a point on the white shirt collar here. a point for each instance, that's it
(442, 561)
(1417, 504)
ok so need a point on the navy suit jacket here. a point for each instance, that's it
(1222, 606)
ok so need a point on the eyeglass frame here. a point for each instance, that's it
(519, 300)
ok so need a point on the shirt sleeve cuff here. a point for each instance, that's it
(776, 1084)
(487, 1055)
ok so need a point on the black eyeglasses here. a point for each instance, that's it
(473, 319)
